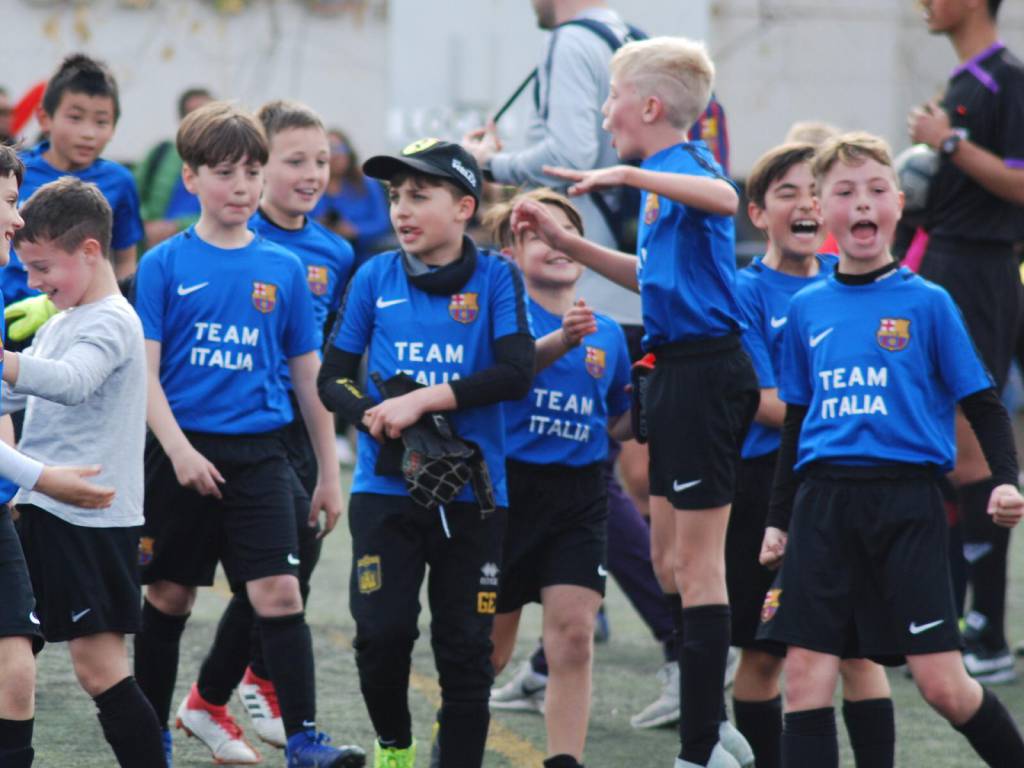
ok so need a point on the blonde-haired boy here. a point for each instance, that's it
(703, 392)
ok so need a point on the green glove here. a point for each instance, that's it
(25, 317)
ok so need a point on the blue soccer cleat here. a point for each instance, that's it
(309, 749)
(165, 735)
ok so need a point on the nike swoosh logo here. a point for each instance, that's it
(75, 617)
(381, 304)
(602, 571)
(677, 487)
(33, 618)
(816, 340)
(778, 322)
(183, 291)
(293, 560)
(917, 629)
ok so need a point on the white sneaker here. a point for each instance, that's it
(735, 744)
(260, 700)
(524, 692)
(665, 709)
(217, 729)
(731, 663)
(720, 758)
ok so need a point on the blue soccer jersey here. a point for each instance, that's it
(225, 319)
(686, 258)
(118, 187)
(434, 339)
(564, 419)
(7, 488)
(880, 368)
(764, 295)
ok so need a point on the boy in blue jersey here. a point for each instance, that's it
(455, 320)
(875, 362)
(222, 309)
(85, 369)
(79, 112)
(782, 204)
(703, 392)
(556, 542)
(295, 178)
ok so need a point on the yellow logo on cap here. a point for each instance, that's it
(419, 146)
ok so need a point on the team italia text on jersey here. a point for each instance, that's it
(434, 339)
(226, 319)
(118, 187)
(764, 295)
(880, 368)
(686, 263)
(564, 419)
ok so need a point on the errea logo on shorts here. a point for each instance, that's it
(465, 172)
(489, 575)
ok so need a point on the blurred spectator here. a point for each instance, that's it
(167, 207)
(354, 206)
(6, 116)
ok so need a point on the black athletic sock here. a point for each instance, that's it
(257, 661)
(16, 743)
(288, 648)
(130, 725)
(809, 738)
(871, 726)
(562, 761)
(539, 661)
(463, 733)
(675, 641)
(985, 546)
(224, 665)
(702, 660)
(994, 735)
(156, 658)
(760, 722)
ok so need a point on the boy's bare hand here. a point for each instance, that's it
(586, 182)
(773, 547)
(67, 484)
(578, 322)
(391, 416)
(529, 214)
(195, 471)
(1006, 506)
(326, 497)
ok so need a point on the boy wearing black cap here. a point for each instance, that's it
(454, 319)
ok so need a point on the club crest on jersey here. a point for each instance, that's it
(594, 362)
(893, 334)
(264, 297)
(368, 573)
(317, 278)
(771, 604)
(651, 209)
(145, 550)
(463, 307)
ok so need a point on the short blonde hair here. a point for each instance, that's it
(674, 69)
(498, 219)
(814, 132)
(851, 149)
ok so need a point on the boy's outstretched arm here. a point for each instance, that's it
(576, 323)
(320, 425)
(192, 469)
(617, 266)
(704, 193)
(991, 424)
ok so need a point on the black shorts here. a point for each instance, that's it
(701, 400)
(866, 571)
(557, 531)
(984, 281)
(746, 578)
(300, 449)
(18, 616)
(86, 580)
(251, 530)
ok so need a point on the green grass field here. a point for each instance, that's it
(68, 734)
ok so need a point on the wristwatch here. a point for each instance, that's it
(950, 144)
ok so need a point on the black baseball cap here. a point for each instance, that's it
(431, 157)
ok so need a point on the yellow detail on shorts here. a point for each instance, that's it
(420, 146)
(772, 598)
(368, 572)
(486, 602)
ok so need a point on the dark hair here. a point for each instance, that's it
(187, 96)
(66, 213)
(79, 73)
(280, 115)
(10, 164)
(220, 132)
(773, 165)
(993, 7)
(354, 173)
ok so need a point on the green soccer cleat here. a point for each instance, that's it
(392, 757)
